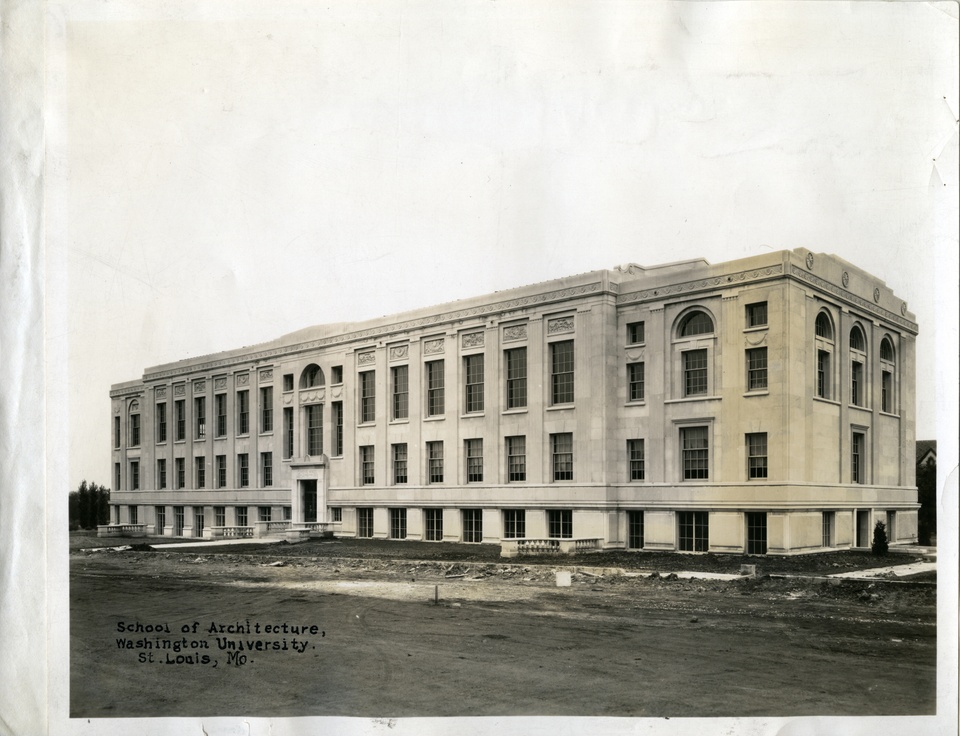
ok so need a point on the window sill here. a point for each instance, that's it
(825, 400)
(689, 399)
(434, 419)
(366, 424)
(756, 328)
(515, 410)
(473, 415)
(757, 392)
(889, 414)
(635, 345)
(860, 408)
(268, 433)
(561, 407)
(403, 420)
(642, 402)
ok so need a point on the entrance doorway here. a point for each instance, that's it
(863, 528)
(309, 490)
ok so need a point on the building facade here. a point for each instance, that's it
(764, 405)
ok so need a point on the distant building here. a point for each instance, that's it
(926, 452)
(764, 405)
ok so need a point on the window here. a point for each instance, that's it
(695, 453)
(756, 369)
(757, 314)
(435, 462)
(827, 527)
(635, 381)
(635, 529)
(473, 372)
(198, 521)
(220, 407)
(516, 360)
(220, 515)
(474, 453)
(287, 382)
(562, 449)
(401, 392)
(243, 465)
(365, 523)
(221, 461)
(200, 417)
(134, 475)
(636, 459)
(856, 339)
(857, 468)
(178, 521)
(433, 524)
(696, 323)
(886, 391)
(180, 409)
(337, 407)
(311, 377)
(561, 372)
(516, 459)
(694, 531)
(886, 350)
(823, 374)
(560, 524)
(287, 432)
(694, 372)
(200, 466)
(243, 412)
(891, 524)
(336, 514)
(472, 525)
(635, 334)
(757, 455)
(266, 409)
(116, 476)
(400, 463)
(266, 468)
(367, 476)
(116, 431)
(134, 430)
(160, 519)
(756, 533)
(856, 383)
(162, 422)
(398, 523)
(314, 429)
(514, 524)
(241, 515)
(435, 388)
(180, 467)
(368, 408)
(823, 329)
(264, 513)
(161, 474)
(336, 374)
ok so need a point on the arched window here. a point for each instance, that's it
(696, 323)
(311, 376)
(694, 358)
(823, 330)
(856, 339)
(886, 350)
(888, 373)
(858, 360)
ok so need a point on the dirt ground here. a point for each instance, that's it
(400, 633)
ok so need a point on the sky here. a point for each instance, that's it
(226, 175)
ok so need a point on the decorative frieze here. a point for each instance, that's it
(312, 397)
(220, 383)
(514, 333)
(560, 325)
(399, 352)
(199, 387)
(266, 375)
(433, 347)
(180, 389)
(368, 358)
(471, 340)
(701, 284)
(753, 339)
(242, 379)
(161, 392)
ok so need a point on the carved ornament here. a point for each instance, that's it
(472, 340)
(368, 358)
(399, 352)
(560, 325)
(514, 332)
(433, 347)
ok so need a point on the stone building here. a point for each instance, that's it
(764, 405)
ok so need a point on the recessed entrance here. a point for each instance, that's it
(309, 490)
(863, 528)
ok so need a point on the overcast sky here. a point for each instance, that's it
(231, 179)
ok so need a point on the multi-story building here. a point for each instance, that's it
(763, 405)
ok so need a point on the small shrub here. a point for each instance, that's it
(880, 545)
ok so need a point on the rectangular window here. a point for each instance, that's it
(180, 467)
(694, 531)
(856, 383)
(473, 372)
(116, 477)
(696, 453)
(365, 523)
(886, 392)
(398, 523)
(134, 475)
(472, 525)
(560, 524)
(180, 410)
(433, 524)
(635, 530)
(757, 455)
(637, 462)
(200, 465)
(516, 360)
(160, 519)
(857, 474)
(635, 333)
(561, 446)
(134, 430)
(162, 422)
(756, 533)
(287, 382)
(243, 466)
(694, 372)
(116, 431)
(266, 468)
(756, 369)
(401, 392)
(198, 521)
(474, 452)
(221, 471)
(336, 374)
(220, 515)
(516, 459)
(827, 526)
(200, 417)
(315, 430)
(368, 397)
(891, 525)
(178, 521)
(243, 412)
(337, 407)
(266, 409)
(400, 463)
(287, 432)
(264, 513)
(161, 474)
(242, 517)
(635, 380)
(367, 476)
(514, 524)
(561, 372)
(823, 373)
(336, 514)
(435, 462)
(757, 314)
(220, 407)
(435, 403)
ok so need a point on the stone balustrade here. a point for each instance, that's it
(231, 532)
(521, 547)
(122, 530)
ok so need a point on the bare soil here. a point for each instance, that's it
(408, 629)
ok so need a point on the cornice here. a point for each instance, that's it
(708, 284)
